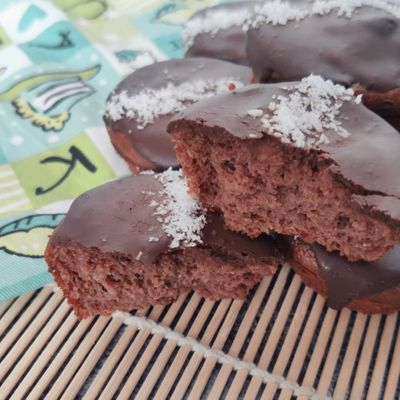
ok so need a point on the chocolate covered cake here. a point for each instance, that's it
(300, 159)
(219, 32)
(140, 107)
(368, 287)
(143, 240)
(354, 43)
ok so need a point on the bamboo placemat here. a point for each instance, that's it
(282, 343)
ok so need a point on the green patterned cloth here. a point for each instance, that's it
(58, 62)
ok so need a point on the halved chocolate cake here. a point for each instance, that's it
(302, 159)
(143, 240)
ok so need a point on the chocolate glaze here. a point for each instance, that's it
(227, 44)
(363, 49)
(117, 218)
(368, 160)
(152, 142)
(345, 280)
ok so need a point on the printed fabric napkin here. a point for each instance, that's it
(59, 60)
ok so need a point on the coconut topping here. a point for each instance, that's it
(280, 13)
(255, 112)
(214, 21)
(150, 104)
(275, 12)
(182, 217)
(310, 109)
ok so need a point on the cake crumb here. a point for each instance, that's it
(231, 86)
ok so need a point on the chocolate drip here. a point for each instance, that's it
(363, 49)
(118, 218)
(345, 280)
(153, 142)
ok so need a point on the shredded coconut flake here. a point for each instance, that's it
(150, 104)
(255, 135)
(182, 217)
(309, 109)
(139, 255)
(147, 172)
(148, 192)
(280, 13)
(212, 22)
(255, 112)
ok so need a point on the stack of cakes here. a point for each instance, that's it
(300, 166)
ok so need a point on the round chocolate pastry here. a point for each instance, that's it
(219, 32)
(139, 108)
(302, 158)
(353, 45)
(148, 244)
(368, 287)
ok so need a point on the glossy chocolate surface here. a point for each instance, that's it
(363, 49)
(346, 280)
(227, 44)
(368, 160)
(117, 217)
(153, 142)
